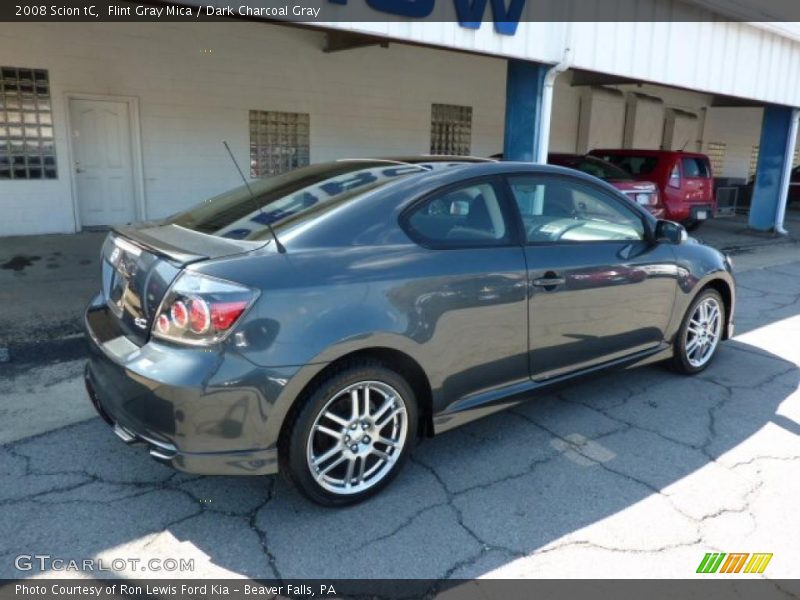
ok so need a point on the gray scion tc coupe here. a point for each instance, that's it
(317, 322)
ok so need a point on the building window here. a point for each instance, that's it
(279, 142)
(451, 129)
(716, 153)
(27, 149)
(753, 160)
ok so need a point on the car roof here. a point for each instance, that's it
(423, 158)
(461, 172)
(644, 152)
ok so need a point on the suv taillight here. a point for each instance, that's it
(201, 310)
(647, 198)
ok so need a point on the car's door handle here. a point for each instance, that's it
(549, 282)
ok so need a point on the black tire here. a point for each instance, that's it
(682, 362)
(297, 451)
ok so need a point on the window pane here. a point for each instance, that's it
(279, 142)
(691, 167)
(557, 210)
(716, 152)
(636, 165)
(24, 123)
(469, 216)
(451, 129)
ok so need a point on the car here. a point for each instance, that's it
(684, 179)
(641, 192)
(316, 323)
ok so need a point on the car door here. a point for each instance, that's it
(467, 305)
(599, 290)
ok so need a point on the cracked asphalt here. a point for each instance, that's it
(636, 473)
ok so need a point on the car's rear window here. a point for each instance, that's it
(634, 164)
(694, 167)
(289, 198)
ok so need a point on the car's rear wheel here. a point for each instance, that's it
(701, 331)
(351, 434)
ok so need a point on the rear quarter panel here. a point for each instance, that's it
(460, 314)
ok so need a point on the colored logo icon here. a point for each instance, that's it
(739, 562)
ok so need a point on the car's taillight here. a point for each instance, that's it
(201, 310)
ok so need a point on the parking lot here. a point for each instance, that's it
(637, 473)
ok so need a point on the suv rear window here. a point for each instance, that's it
(633, 164)
(694, 167)
(592, 165)
(290, 198)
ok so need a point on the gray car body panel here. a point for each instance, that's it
(470, 318)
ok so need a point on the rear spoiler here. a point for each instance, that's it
(183, 245)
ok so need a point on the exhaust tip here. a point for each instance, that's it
(123, 434)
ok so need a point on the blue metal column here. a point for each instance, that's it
(524, 87)
(774, 161)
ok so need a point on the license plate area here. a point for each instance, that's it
(701, 214)
(116, 295)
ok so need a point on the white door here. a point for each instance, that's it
(101, 145)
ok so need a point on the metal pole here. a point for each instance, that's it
(547, 108)
(791, 142)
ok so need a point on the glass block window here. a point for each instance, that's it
(279, 142)
(716, 153)
(753, 160)
(27, 149)
(451, 129)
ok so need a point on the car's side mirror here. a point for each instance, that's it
(670, 232)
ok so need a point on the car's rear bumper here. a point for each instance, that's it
(205, 412)
(681, 212)
(701, 212)
(247, 462)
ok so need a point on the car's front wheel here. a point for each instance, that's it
(351, 435)
(701, 331)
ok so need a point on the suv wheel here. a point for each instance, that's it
(698, 339)
(692, 224)
(351, 435)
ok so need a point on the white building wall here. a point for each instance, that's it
(746, 60)
(740, 130)
(564, 123)
(196, 83)
(363, 102)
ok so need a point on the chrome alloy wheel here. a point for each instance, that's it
(703, 332)
(357, 437)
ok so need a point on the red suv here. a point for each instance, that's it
(644, 193)
(684, 179)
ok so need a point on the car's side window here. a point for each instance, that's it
(470, 215)
(560, 210)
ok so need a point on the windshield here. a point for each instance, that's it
(289, 198)
(633, 164)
